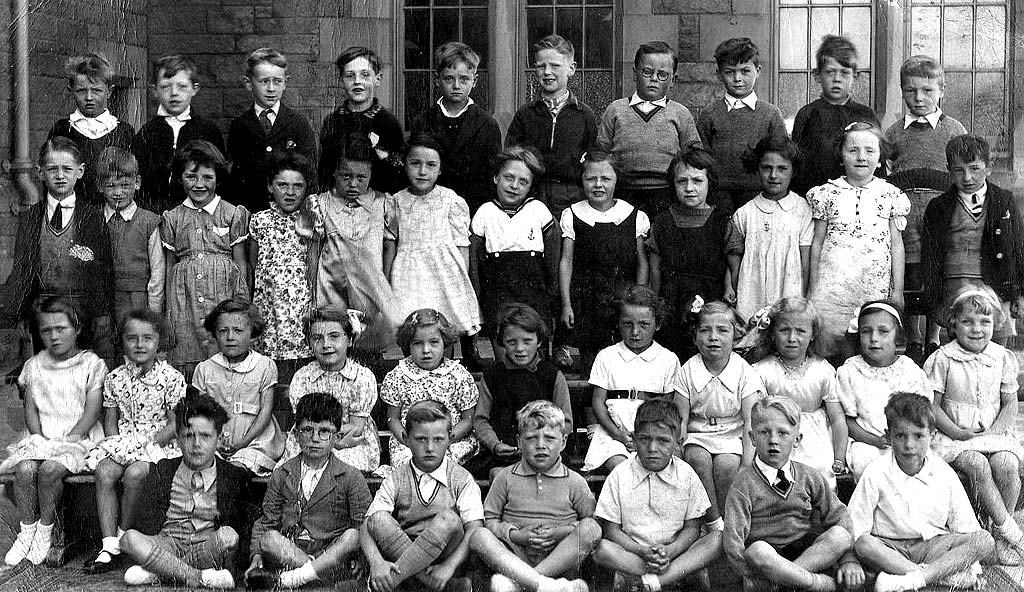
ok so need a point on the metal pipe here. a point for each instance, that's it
(22, 167)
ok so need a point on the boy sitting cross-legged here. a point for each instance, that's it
(313, 506)
(783, 523)
(538, 513)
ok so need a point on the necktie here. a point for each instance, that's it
(782, 484)
(197, 492)
(976, 205)
(56, 221)
(265, 121)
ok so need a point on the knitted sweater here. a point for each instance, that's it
(922, 148)
(816, 128)
(412, 512)
(729, 134)
(645, 144)
(560, 141)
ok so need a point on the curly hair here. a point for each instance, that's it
(795, 306)
(425, 317)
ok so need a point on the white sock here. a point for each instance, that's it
(44, 530)
(1009, 530)
(112, 545)
(915, 580)
(120, 533)
(651, 582)
(299, 576)
(30, 529)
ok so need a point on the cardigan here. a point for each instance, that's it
(559, 141)
(121, 137)
(154, 148)
(387, 174)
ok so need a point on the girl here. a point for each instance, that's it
(62, 387)
(975, 384)
(205, 241)
(427, 374)
(138, 405)
(718, 391)
(768, 242)
(426, 253)
(794, 369)
(627, 374)
(514, 243)
(864, 383)
(857, 249)
(330, 332)
(603, 255)
(242, 381)
(687, 244)
(278, 255)
(348, 248)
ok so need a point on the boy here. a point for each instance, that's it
(92, 127)
(818, 124)
(468, 135)
(421, 519)
(782, 521)
(731, 127)
(314, 503)
(912, 520)
(557, 126)
(362, 114)
(175, 84)
(973, 235)
(645, 131)
(269, 127)
(536, 533)
(653, 539)
(194, 510)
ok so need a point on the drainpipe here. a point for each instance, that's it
(22, 168)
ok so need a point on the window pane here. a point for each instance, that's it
(474, 31)
(925, 26)
(539, 24)
(446, 25)
(599, 48)
(990, 44)
(957, 98)
(989, 104)
(600, 90)
(417, 39)
(569, 24)
(857, 27)
(792, 92)
(793, 38)
(539, 2)
(474, 2)
(409, 3)
(824, 21)
(861, 91)
(957, 36)
(417, 95)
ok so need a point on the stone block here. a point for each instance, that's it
(180, 22)
(692, 6)
(688, 46)
(337, 34)
(637, 29)
(696, 95)
(715, 29)
(225, 70)
(264, 11)
(372, 9)
(162, 44)
(290, 45)
(697, 72)
(288, 26)
(306, 8)
(236, 20)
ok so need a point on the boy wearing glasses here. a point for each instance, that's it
(313, 506)
(647, 129)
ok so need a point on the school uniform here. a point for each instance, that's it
(377, 125)
(93, 135)
(138, 257)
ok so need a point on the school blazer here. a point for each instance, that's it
(154, 148)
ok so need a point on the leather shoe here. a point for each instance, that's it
(93, 567)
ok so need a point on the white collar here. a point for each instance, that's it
(440, 474)
(68, 203)
(926, 475)
(730, 376)
(987, 357)
(931, 119)
(105, 118)
(648, 355)
(771, 473)
(446, 113)
(414, 372)
(183, 116)
(209, 474)
(769, 206)
(275, 108)
(126, 214)
(732, 102)
(670, 474)
(348, 371)
(246, 365)
(209, 208)
(981, 193)
(636, 100)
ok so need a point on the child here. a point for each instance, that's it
(645, 131)
(654, 540)
(857, 249)
(137, 252)
(975, 385)
(348, 246)
(969, 244)
(514, 242)
(737, 123)
(557, 125)
(794, 369)
(718, 389)
(314, 503)
(91, 127)
(687, 244)
(863, 383)
(62, 387)
(330, 333)
(819, 123)
(203, 268)
(268, 129)
(242, 381)
(469, 136)
(278, 255)
(533, 534)
(426, 374)
(195, 510)
(625, 375)
(603, 255)
(783, 523)
(519, 376)
(361, 114)
(175, 84)
(428, 540)
(768, 241)
(426, 249)
(915, 531)
(138, 421)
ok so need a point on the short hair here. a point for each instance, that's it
(151, 318)
(596, 157)
(840, 49)
(92, 65)
(655, 47)
(877, 306)
(794, 306)
(425, 317)
(231, 306)
(115, 162)
(644, 297)
(695, 157)
(884, 147)
(423, 140)
(540, 414)
(968, 148)
(555, 42)
(517, 314)
(289, 161)
(924, 67)
(453, 53)
(59, 305)
(739, 325)
(658, 412)
(199, 153)
(975, 299)
(524, 155)
(196, 403)
(329, 313)
(170, 65)
(910, 407)
(427, 411)
(784, 405)
(780, 145)
(60, 144)
(354, 148)
(317, 407)
(267, 55)
(353, 52)
(737, 51)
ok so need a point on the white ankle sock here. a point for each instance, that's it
(299, 576)
(112, 545)
(1009, 530)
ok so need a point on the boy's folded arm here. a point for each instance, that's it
(614, 533)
